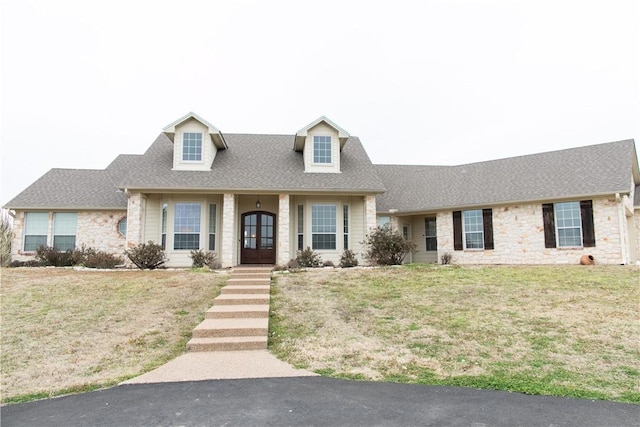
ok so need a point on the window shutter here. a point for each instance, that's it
(457, 230)
(588, 233)
(549, 225)
(487, 226)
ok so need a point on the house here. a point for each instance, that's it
(257, 199)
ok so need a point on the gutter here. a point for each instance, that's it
(621, 220)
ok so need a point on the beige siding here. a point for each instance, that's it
(358, 223)
(153, 219)
(322, 129)
(208, 148)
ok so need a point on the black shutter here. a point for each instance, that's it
(549, 225)
(487, 227)
(588, 233)
(457, 230)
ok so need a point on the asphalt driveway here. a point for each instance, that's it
(312, 401)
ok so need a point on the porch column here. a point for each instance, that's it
(370, 213)
(284, 252)
(136, 205)
(228, 235)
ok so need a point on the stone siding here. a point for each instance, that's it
(518, 234)
(283, 251)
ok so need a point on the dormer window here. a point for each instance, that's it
(322, 149)
(192, 146)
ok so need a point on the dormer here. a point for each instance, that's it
(321, 143)
(195, 143)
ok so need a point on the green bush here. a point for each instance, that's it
(386, 246)
(146, 256)
(348, 259)
(308, 258)
(201, 259)
(51, 257)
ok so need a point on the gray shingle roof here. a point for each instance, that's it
(255, 163)
(576, 172)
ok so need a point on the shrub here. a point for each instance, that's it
(201, 258)
(328, 263)
(446, 258)
(386, 246)
(293, 264)
(348, 259)
(6, 235)
(101, 259)
(29, 263)
(51, 257)
(146, 255)
(308, 258)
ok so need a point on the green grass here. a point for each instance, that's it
(562, 331)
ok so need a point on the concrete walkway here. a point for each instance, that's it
(216, 365)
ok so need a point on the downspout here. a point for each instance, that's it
(621, 219)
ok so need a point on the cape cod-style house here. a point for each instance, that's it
(257, 199)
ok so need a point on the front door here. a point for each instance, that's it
(258, 238)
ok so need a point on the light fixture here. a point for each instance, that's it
(258, 204)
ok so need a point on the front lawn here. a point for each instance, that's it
(565, 330)
(65, 330)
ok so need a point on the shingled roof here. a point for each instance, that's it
(255, 163)
(603, 169)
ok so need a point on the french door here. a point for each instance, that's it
(258, 238)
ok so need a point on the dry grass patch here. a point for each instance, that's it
(64, 329)
(568, 330)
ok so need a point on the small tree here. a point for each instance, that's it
(146, 255)
(6, 235)
(308, 258)
(386, 246)
(201, 258)
(348, 259)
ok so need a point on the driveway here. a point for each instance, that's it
(314, 401)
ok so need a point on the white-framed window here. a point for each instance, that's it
(300, 227)
(383, 220)
(430, 234)
(345, 226)
(323, 227)
(213, 212)
(163, 237)
(192, 146)
(473, 229)
(122, 227)
(322, 149)
(568, 224)
(36, 229)
(186, 226)
(64, 230)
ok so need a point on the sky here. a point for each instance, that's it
(420, 82)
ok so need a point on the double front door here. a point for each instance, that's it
(258, 238)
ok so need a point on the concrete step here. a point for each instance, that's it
(248, 281)
(232, 328)
(251, 270)
(227, 343)
(251, 275)
(245, 289)
(237, 311)
(241, 299)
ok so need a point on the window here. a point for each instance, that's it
(322, 149)
(192, 146)
(36, 228)
(345, 226)
(430, 234)
(300, 227)
(164, 226)
(568, 224)
(212, 227)
(122, 227)
(383, 220)
(477, 228)
(186, 226)
(323, 227)
(64, 230)
(473, 229)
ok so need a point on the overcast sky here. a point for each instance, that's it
(420, 82)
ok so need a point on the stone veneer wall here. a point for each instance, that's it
(95, 229)
(518, 234)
